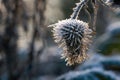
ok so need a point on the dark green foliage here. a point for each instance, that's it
(110, 40)
(111, 63)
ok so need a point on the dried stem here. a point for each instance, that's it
(77, 9)
(95, 6)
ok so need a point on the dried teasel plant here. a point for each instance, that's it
(74, 36)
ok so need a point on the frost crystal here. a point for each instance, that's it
(74, 37)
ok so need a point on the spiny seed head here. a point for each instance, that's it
(73, 36)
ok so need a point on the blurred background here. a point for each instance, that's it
(28, 51)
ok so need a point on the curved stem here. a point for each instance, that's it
(77, 9)
(95, 6)
(88, 14)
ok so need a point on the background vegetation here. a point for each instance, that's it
(28, 52)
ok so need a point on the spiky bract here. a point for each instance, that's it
(74, 37)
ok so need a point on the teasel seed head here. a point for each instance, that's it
(74, 36)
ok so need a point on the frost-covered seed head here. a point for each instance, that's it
(74, 37)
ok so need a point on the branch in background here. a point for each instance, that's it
(39, 18)
(38, 28)
(25, 16)
(10, 37)
(1, 12)
(31, 53)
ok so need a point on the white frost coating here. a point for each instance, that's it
(77, 9)
(74, 37)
